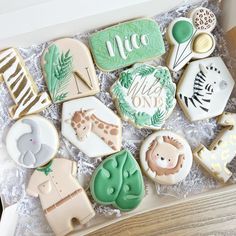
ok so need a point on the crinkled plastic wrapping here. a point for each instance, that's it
(14, 179)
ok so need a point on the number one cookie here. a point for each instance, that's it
(21, 85)
(221, 151)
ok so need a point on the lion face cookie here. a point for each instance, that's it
(166, 157)
(191, 37)
(68, 70)
(32, 141)
(91, 126)
(145, 95)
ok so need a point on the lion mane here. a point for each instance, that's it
(164, 171)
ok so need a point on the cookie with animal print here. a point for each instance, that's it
(21, 86)
(68, 70)
(191, 37)
(166, 157)
(32, 141)
(204, 88)
(92, 127)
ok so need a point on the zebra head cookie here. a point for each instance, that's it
(21, 86)
(91, 126)
(68, 70)
(204, 89)
(166, 157)
(191, 38)
(145, 95)
(32, 141)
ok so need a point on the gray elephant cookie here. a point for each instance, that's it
(35, 141)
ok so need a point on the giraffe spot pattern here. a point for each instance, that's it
(113, 131)
(101, 126)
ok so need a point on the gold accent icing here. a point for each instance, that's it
(202, 43)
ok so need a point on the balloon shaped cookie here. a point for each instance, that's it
(69, 71)
(118, 181)
(32, 141)
(191, 38)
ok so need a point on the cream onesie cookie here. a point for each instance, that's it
(91, 126)
(62, 197)
(68, 70)
(21, 86)
(221, 151)
(145, 95)
(166, 157)
(32, 141)
(191, 37)
(204, 88)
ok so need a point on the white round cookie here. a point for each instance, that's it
(166, 157)
(32, 141)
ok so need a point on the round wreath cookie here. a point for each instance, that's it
(32, 141)
(166, 157)
(118, 181)
(145, 95)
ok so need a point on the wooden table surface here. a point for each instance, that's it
(213, 214)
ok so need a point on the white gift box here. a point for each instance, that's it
(27, 22)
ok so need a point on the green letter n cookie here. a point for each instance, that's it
(127, 43)
(145, 95)
(118, 181)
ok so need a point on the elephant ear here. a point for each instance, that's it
(28, 159)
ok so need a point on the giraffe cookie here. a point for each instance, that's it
(68, 70)
(166, 157)
(221, 151)
(191, 38)
(91, 126)
(204, 89)
(21, 85)
(32, 141)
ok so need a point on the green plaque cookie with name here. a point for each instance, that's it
(126, 43)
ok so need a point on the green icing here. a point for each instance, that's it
(182, 31)
(45, 169)
(142, 72)
(58, 69)
(123, 32)
(118, 181)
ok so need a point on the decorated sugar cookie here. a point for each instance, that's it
(68, 70)
(166, 157)
(191, 37)
(204, 89)
(62, 197)
(91, 126)
(145, 95)
(126, 43)
(221, 151)
(32, 141)
(118, 181)
(21, 85)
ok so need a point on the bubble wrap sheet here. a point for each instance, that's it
(14, 179)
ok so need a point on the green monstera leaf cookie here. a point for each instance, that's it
(118, 181)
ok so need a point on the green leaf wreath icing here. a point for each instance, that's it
(58, 69)
(128, 111)
(118, 181)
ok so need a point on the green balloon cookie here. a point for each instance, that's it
(182, 31)
(118, 181)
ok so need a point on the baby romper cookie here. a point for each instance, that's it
(21, 85)
(166, 157)
(191, 37)
(204, 89)
(126, 43)
(145, 95)
(91, 126)
(68, 70)
(221, 151)
(32, 141)
(62, 198)
(118, 181)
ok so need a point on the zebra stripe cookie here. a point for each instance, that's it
(204, 88)
(21, 85)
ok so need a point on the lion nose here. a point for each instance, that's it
(223, 84)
